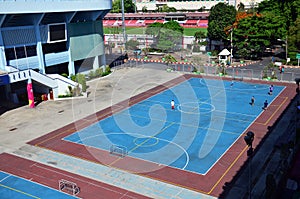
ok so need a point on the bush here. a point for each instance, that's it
(196, 49)
(81, 80)
(64, 96)
(73, 77)
(64, 75)
(107, 71)
(99, 72)
(91, 74)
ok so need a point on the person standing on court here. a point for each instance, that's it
(271, 88)
(265, 105)
(173, 105)
(252, 101)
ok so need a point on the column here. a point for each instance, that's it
(2, 54)
(39, 50)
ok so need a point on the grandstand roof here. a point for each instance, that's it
(156, 15)
(134, 15)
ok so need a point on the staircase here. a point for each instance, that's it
(58, 83)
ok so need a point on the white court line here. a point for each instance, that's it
(77, 179)
(5, 177)
(242, 133)
(38, 184)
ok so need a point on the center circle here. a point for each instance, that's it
(145, 142)
(196, 107)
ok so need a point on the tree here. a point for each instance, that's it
(288, 9)
(287, 12)
(166, 8)
(241, 7)
(294, 39)
(199, 35)
(168, 36)
(221, 16)
(201, 9)
(144, 9)
(254, 33)
(132, 44)
(129, 6)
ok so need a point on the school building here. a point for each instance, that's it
(40, 40)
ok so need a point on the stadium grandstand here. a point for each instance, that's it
(188, 19)
(40, 40)
(189, 5)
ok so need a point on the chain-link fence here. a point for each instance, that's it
(232, 72)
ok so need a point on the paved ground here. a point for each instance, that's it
(21, 125)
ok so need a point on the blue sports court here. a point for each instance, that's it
(14, 187)
(209, 116)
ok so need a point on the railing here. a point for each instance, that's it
(47, 0)
(26, 74)
(235, 73)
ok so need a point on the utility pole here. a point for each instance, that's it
(286, 47)
(231, 46)
(123, 24)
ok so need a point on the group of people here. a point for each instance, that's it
(271, 89)
(252, 101)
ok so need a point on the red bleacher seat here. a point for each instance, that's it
(191, 22)
(149, 21)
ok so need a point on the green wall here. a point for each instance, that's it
(86, 39)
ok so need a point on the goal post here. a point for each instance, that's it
(240, 73)
(118, 150)
(68, 186)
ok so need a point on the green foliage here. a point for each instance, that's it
(174, 26)
(168, 36)
(201, 9)
(71, 92)
(201, 69)
(254, 34)
(99, 72)
(144, 9)
(131, 44)
(196, 48)
(164, 45)
(199, 35)
(73, 77)
(294, 40)
(166, 8)
(241, 7)
(288, 10)
(221, 16)
(153, 29)
(107, 71)
(91, 74)
(65, 96)
(81, 80)
(129, 6)
(64, 75)
(287, 14)
(169, 58)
